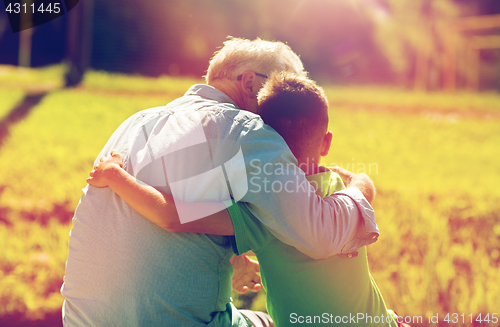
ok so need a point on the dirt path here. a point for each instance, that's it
(18, 113)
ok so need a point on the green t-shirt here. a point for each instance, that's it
(302, 290)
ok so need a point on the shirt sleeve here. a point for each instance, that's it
(280, 197)
(249, 232)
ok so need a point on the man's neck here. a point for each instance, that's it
(229, 89)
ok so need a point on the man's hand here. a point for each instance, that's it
(246, 274)
(359, 181)
(98, 174)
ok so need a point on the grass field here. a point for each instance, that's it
(434, 158)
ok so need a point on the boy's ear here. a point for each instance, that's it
(327, 141)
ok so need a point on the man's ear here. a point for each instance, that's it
(327, 142)
(247, 83)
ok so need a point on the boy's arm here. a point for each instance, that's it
(157, 206)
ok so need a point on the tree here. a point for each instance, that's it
(412, 34)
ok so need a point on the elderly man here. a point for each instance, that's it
(208, 145)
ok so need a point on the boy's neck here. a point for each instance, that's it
(311, 167)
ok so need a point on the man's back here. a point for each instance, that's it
(136, 274)
(123, 270)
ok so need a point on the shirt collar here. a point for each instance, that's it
(211, 93)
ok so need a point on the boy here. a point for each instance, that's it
(300, 290)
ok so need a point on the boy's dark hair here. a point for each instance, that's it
(296, 108)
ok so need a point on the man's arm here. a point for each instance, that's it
(157, 206)
(160, 208)
(280, 197)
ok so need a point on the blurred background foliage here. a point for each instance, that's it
(420, 44)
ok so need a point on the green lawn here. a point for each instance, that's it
(403, 100)
(437, 205)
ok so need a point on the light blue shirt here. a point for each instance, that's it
(123, 270)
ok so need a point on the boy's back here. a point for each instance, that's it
(302, 290)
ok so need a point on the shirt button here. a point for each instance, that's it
(349, 255)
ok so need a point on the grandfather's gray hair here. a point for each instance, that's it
(238, 55)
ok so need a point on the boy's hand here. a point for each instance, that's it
(246, 274)
(106, 166)
(345, 174)
(360, 181)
